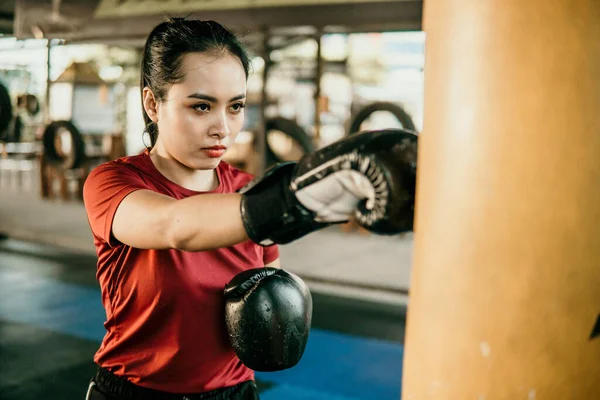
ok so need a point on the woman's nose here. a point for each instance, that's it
(220, 128)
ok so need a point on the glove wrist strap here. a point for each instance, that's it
(270, 211)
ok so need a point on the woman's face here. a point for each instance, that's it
(202, 115)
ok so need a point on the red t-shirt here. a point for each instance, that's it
(164, 308)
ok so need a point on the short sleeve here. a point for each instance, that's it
(103, 191)
(270, 254)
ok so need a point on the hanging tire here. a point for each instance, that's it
(5, 111)
(292, 130)
(14, 130)
(30, 103)
(74, 156)
(401, 115)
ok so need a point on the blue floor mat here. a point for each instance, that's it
(335, 366)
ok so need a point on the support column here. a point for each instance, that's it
(318, 77)
(48, 82)
(505, 289)
(261, 133)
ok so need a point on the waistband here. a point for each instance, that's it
(114, 385)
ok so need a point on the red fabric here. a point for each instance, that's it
(164, 308)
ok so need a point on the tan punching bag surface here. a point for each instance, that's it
(505, 287)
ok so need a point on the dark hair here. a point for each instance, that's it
(165, 48)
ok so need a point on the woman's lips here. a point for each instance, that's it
(214, 151)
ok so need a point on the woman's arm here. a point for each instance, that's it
(149, 220)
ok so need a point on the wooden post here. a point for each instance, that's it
(45, 178)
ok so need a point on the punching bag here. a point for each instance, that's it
(505, 291)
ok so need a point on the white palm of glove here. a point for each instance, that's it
(336, 197)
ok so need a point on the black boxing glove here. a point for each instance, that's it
(268, 314)
(369, 176)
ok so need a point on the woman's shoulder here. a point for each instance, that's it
(137, 161)
(122, 168)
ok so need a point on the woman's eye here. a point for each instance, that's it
(201, 107)
(237, 107)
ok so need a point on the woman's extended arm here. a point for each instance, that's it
(149, 220)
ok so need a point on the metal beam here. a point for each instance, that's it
(353, 17)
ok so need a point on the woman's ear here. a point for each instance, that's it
(150, 104)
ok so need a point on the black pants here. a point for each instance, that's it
(106, 386)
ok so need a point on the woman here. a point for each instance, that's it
(161, 267)
(174, 224)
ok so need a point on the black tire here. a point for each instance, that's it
(33, 104)
(401, 115)
(293, 130)
(30, 103)
(14, 130)
(77, 155)
(5, 111)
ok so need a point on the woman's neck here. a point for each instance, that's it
(173, 170)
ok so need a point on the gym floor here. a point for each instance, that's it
(51, 325)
